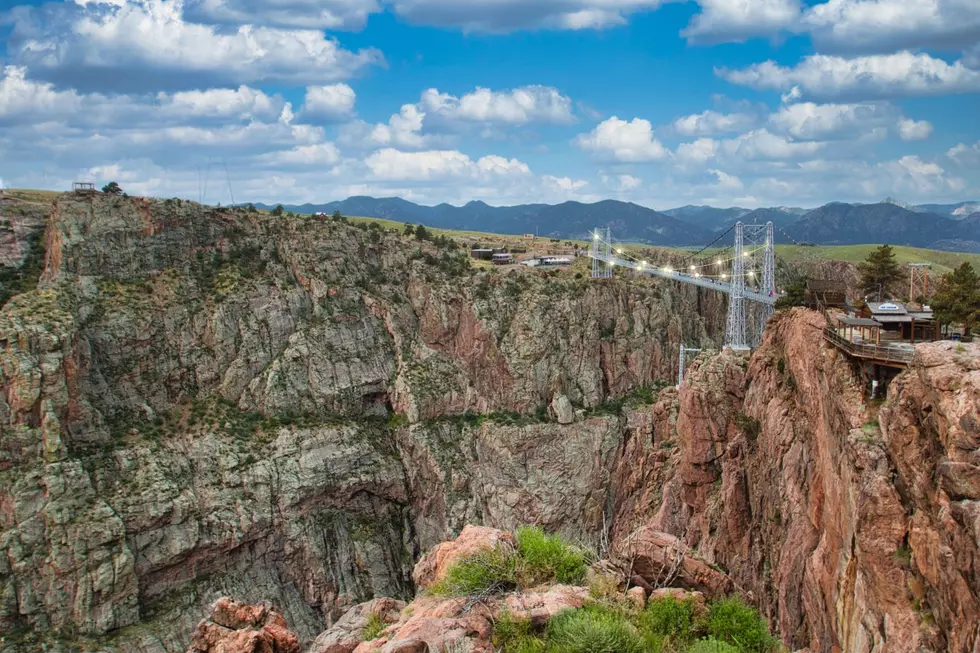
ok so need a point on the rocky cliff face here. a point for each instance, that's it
(197, 403)
(853, 528)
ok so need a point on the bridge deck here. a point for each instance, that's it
(683, 277)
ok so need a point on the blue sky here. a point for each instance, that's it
(723, 102)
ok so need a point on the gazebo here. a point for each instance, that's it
(867, 329)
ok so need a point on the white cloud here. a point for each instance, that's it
(564, 184)
(762, 145)
(321, 14)
(914, 130)
(618, 140)
(698, 152)
(878, 76)
(20, 97)
(242, 103)
(810, 121)
(710, 122)
(404, 129)
(148, 41)
(621, 183)
(392, 164)
(965, 154)
(726, 181)
(738, 20)
(318, 154)
(519, 106)
(511, 15)
(888, 25)
(331, 102)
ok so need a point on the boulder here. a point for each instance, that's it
(562, 409)
(433, 566)
(235, 627)
(348, 632)
(658, 560)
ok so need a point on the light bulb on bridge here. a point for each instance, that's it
(724, 276)
(692, 268)
(718, 262)
(751, 273)
(619, 251)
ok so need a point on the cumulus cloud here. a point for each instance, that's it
(738, 20)
(321, 14)
(888, 25)
(511, 15)
(964, 154)
(619, 140)
(392, 164)
(621, 183)
(807, 120)
(902, 74)
(914, 130)
(147, 44)
(710, 122)
(520, 106)
(331, 102)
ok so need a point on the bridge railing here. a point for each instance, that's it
(872, 352)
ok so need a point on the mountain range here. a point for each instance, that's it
(951, 227)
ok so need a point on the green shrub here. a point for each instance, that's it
(734, 622)
(670, 619)
(593, 630)
(512, 635)
(374, 627)
(548, 557)
(492, 571)
(712, 645)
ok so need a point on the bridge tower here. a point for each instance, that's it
(745, 325)
(602, 269)
(735, 331)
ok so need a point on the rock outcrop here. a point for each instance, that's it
(240, 628)
(852, 532)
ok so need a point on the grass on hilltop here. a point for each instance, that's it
(666, 625)
(539, 558)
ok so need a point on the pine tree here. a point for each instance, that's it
(958, 298)
(879, 271)
(112, 188)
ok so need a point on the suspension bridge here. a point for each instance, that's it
(745, 271)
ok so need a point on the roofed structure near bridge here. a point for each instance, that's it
(825, 293)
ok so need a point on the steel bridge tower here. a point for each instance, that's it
(602, 269)
(745, 323)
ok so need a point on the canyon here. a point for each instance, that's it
(198, 403)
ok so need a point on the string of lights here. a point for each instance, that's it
(718, 266)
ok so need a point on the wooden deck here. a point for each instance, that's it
(900, 357)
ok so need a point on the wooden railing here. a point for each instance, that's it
(895, 355)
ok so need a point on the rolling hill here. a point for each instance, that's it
(568, 220)
(837, 223)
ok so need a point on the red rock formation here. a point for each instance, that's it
(241, 628)
(850, 536)
(433, 566)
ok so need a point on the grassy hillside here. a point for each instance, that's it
(942, 262)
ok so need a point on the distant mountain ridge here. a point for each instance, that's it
(890, 221)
